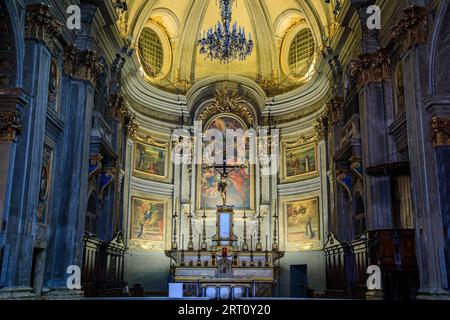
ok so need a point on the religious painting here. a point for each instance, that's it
(300, 162)
(151, 160)
(147, 219)
(239, 182)
(303, 222)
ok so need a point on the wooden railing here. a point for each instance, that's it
(393, 250)
(346, 266)
(103, 267)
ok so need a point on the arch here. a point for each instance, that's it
(440, 50)
(91, 217)
(9, 62)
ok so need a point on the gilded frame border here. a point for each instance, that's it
(157, 142)
(151, 245)
(295, 145)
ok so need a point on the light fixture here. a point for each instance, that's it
(224, 43)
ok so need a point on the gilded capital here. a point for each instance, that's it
(334, 110)
(41, 25)
(116, 107)
(440, 132)
(411, 28)
(370, 67)
(11, 104)
(321, 127)
(82, 65)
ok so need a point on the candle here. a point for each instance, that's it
(251, 242)
(182, 241)
(267, 241)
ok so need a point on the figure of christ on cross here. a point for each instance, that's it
(224, 170)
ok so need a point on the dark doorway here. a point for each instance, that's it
(299, 281)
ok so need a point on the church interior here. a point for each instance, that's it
(225, 149)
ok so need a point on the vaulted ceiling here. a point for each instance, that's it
(272, 23)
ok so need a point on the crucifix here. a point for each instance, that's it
(224, 170)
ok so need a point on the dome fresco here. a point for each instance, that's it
(274, 27)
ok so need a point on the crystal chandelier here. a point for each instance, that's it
(223, 43)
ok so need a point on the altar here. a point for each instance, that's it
(226, 270)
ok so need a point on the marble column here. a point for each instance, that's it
(428, 172)
(80, 69)
(41, 30)
(371, 69)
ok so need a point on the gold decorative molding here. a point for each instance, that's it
(370, 67)
(116, 107)
(82, 65)
(334, 110)
(293, 24)
(11, 104)
(41, 25)
(131, 126)
(440, 132)
(321, 127)
(227, 101)
(411, 28)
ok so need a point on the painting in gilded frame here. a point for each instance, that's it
(303, 223)
(300, 162)
(147, 219)
(151, 160)
(240, 181)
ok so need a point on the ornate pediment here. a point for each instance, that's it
(227, 101)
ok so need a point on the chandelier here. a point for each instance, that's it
(224, 43)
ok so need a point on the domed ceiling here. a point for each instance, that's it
(287, 38)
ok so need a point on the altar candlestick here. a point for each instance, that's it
(244, 243)
(174, 235)
(191, 242)
(203, 244)
(258, 243)
(275, 219)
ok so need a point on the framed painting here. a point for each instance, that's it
(302, 224)
(300, 162)
(147, 219)
(240, 182)
(151, 159)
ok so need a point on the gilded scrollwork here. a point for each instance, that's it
(370, 67)
(41, 25)
(440, 132)
(411, 28)
(226, 101)
(82, 65)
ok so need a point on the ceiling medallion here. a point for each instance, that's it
(225, 43)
